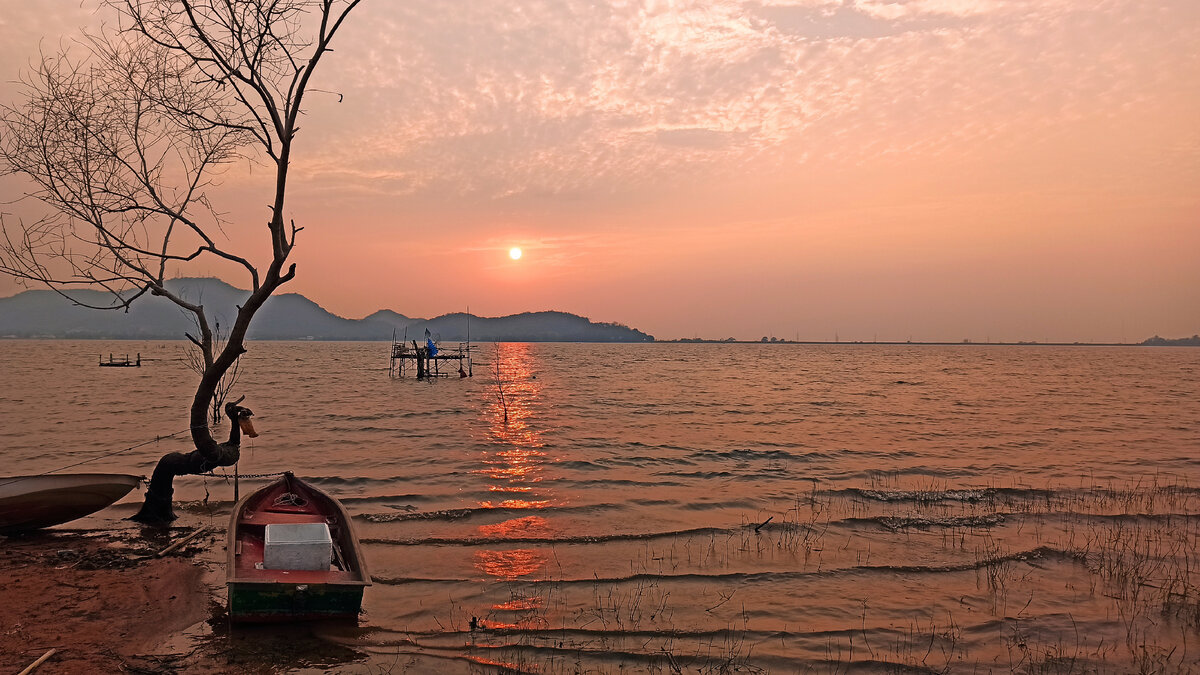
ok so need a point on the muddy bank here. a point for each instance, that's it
(100, 599)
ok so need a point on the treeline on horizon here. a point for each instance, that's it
(1156, 341)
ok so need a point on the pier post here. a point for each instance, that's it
(420, 360)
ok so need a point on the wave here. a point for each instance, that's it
(641, 460)
(658, 447)
(443, 514)
(698, 474)
(412, 497)
(451, 515)
(766, 455)
(374, 637)
(1041, 553)
(531, 659)
(761, 474)
(712, 506)
(617, 482)
(896, 523)
(626, 579)
(1048, 496)
(930, 495)
(506, 648)
(547, 540)
(349, 481)
(615, 462)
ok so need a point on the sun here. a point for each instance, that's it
(514, 253)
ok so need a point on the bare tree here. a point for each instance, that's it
(123, 135)
(194, 360)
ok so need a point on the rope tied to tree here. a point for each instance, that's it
(156, 439)
(135, 446)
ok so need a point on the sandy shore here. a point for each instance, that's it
(99, 599)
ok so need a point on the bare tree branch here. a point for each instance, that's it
(123, 135)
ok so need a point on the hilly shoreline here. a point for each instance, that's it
(287, 316)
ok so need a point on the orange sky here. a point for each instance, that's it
(929, 169)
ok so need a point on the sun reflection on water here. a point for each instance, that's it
(516, 504)
(516, 462)
(520, 605)
(511, 564)
(529, 526)
(517, 465)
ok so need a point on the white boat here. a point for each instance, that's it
(32, 502)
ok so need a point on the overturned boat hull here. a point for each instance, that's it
(33, 502)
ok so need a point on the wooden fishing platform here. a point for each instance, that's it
(412, 357)
(121, 363)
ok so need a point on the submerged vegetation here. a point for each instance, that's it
(1128, 555)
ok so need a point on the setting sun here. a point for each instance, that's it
(514, 253)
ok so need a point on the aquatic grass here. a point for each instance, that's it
(1144, 557)
(1027, 653)
(1136, 547)
(925, 648)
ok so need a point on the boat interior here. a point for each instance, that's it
(292, 502)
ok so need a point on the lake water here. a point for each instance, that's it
(694, 507)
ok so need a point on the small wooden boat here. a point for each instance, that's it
(32, 502)
(258, 593)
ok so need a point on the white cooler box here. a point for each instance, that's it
(297, 546)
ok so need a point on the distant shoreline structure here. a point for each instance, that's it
(1156, 341)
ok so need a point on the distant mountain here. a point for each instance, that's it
(288, 316)
(1157, 341)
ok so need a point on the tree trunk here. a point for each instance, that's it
(208, 455)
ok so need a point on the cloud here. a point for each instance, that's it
(582, 100)
(574, 98)
(905, 9)
(696, 138)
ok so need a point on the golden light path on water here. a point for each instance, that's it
(515, 460)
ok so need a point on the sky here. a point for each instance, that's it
(804, 169)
